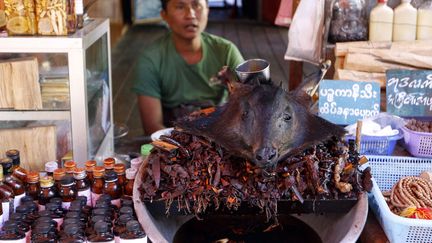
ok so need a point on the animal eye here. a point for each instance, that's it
(286, 117)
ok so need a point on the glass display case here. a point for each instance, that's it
(58, 82)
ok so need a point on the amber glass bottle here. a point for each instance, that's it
(98, 184)
(133, 231)
(89, 169)
(47, 191)
(70, 167)
(11, 233)
(102, 233)
(6, 197)
(16, 184)
(68, 191)
(58, 175)
(33, 185)
(82, 184)
(120, 226)
(120, 169)
(109, 164)
(50, 167)
(130, 177)
(17, 170)
(112, 187)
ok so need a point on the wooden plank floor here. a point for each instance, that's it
(254, 40)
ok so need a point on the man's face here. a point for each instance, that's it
(186, 18)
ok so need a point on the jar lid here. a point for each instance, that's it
(50, 166)
(119, 168)
(110, 176)
(70, 166)
(6, 162)
(13, 153)
(109, 163)
(133, 225)
(67, 181)
(59, 173)
(146, 149)
(32, 177)
(126, 210)
(98, 171)
(101, 227)
(79, 173)
(131, 173)
(46, 181)
(90, 164)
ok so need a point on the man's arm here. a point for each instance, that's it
(151, 113)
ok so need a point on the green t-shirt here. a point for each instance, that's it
(162, 73)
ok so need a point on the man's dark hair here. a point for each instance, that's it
(165, 2)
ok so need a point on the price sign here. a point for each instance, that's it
(344, 102)
(409, 92)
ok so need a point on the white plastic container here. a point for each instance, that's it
(424, 21)
(405, 22)
(381, 22)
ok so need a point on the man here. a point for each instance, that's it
(175, 71)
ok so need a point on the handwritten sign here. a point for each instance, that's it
(344, 102)
(409, 92)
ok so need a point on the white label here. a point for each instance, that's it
(79, 7)
(41, 207)
(23, 240)
(1, 221)
(59, 222)
(116, 239)
(94, 198)
(66, 205)
(7, 207)
(17, 200)
(87, 194)
(140, 240)
(116, 202)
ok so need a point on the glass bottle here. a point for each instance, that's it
(19, 219)
(6, 197)
(109, 164)
(120, 169)
(79, 10)
(70, 167)
(424, 21)
(50, 167)
(33, 185)
(16, 184)
(17, 170)
(381, 22)
(120, 226)
(71, 18)
(10, 233)
(98, 184)
(89, 169)
(47, 191)
(57, 213)
(349, 21)
(82, 184)
(51, 17)
(133, 233)
(58, 175)
(102, 233)
(44, 233)
(72, 234)
(44, 218)
(126, 210)
(404, 22)
(68, 191)
(112, 187)
(130, 176)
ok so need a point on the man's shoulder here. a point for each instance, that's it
(158, 46)
(215, 40)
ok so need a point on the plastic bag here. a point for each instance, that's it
(305, 36)
(387, 125)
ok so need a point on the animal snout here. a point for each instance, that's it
(265, 155)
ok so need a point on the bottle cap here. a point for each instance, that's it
(24, 209)
(46, 181)
(101, 227)
(70, 166)
(73, 215)
(98, 171)
(51, 166)
(110, 176)
(136, 163)
(133, 225)
(59, 173)
(119, 168)
(67, 181)
(13, 154)
(33, 177)
(126, 210)
(90, 164)
(6, 163)
(44, 214)
(72, 229)
(124, 218)
(79, 174)
(109, 163)
(131, 173)
(146, 149)
(52, 206)
(100, 211)
(56, 200)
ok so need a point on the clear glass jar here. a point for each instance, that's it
(21, 18)
(2, 16)
(51, 17)
(349, 21)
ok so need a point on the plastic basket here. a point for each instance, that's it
(377, 145)
(419, 144)
(386, 171)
